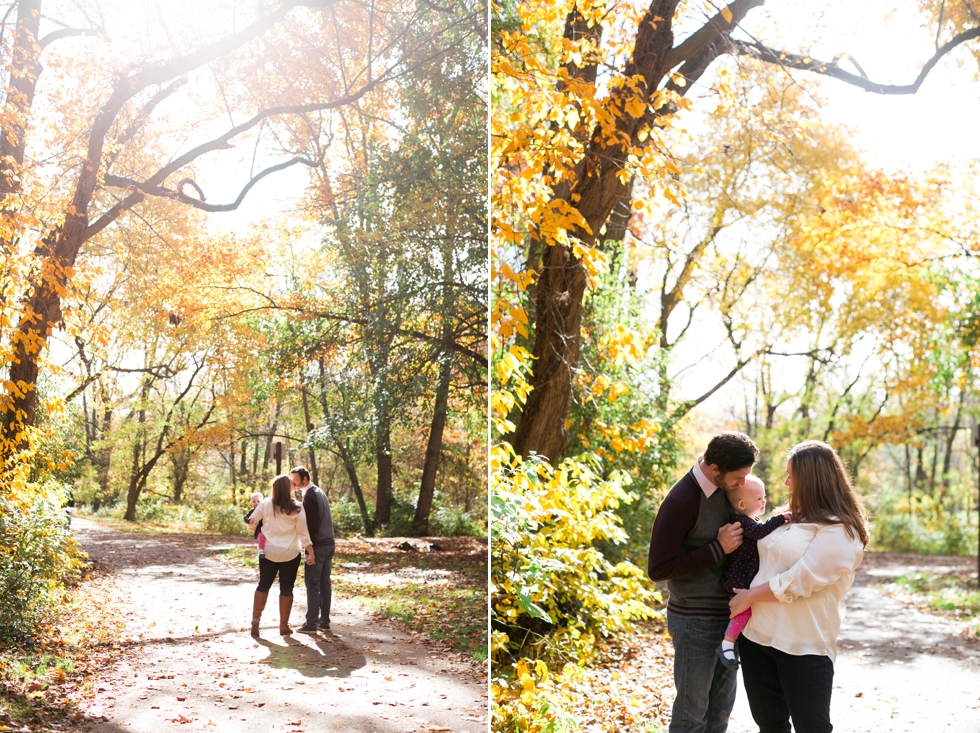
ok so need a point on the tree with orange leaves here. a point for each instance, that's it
(109, 120)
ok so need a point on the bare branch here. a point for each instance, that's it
(688, 405)
(793, 61)
(152, 186)
(178, 195)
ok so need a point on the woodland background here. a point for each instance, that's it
(229, 223)
(683, 241)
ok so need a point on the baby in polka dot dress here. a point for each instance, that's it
(749, 503)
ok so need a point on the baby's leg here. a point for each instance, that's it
(726, 651)
(737, 624)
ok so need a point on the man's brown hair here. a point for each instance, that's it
(731, 451)
(301, 472)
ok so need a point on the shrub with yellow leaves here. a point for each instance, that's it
(37, 555)
(554, 593)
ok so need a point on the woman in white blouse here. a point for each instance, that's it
(286, 536)
(788, 649)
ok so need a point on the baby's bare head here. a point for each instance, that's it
(750, 498)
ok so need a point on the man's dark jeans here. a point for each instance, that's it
(781, 686)
(318, 586)
(705, 686)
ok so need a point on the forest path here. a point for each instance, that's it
(190, 663)
(898, 668)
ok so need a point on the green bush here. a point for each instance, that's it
(222, 518)
(900, 533)
(159, 509)
(37, 556)
(401, 521)
(447, 521)
(346, 516)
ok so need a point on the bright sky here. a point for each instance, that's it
(912, 132)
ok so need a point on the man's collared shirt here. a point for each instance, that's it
(706, 486)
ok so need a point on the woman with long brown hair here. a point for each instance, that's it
(788, 648)
(286, 536)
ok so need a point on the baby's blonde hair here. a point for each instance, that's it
(258, 494)
(736, 495)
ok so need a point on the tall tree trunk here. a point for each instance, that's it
(343, 450)
(951, 438)
(102, 457)
(135, 484)
(382, 447)
(233, 472)
(934, 466)
(243, 466)
(270, 437)
(597, 190)
(309, 429)
(180, 470)
(355, 486)
(433, 450)
(908, 476)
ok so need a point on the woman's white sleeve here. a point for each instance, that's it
(256, 516)
(831, 554)
(302, 530)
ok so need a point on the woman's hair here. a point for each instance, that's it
(822, 491)
(282, 496)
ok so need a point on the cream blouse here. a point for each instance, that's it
(286, 535)
(809, 568)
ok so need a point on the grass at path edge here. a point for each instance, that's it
(954, 595)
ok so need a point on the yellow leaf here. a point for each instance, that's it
(726, 14)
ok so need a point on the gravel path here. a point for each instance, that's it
(192, 665)
(899, 669)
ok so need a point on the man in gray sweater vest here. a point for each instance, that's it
(316, 574)
(691, 536)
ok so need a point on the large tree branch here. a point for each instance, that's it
(131, 85)
(794, 61)
(130, 132)
(67, 33)
(722, 23)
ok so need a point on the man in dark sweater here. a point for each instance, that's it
(691, 536)
(316, 574)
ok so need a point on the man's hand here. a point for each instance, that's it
(310, 556)
(730, 537)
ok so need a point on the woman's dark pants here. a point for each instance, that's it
(781, 686)
(287, 575)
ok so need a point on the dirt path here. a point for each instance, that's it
(899, 669)
(191, 664)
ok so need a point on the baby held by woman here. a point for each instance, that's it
(749, 503)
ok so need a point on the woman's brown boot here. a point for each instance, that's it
(258, 605)
(285, 606)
